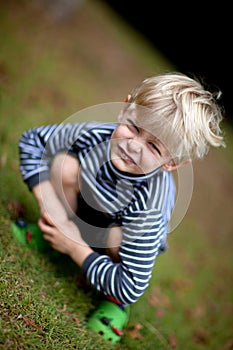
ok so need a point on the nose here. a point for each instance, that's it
(134, 146)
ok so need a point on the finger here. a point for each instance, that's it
(48, 238)
(47, 218)
(45, 227)
(53, 242)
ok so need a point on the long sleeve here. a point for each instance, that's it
(126, 281)
(38, 146)
(34, 163)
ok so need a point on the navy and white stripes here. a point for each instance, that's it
(140, 205)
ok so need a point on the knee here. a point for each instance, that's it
(113, 243)
(65, 170)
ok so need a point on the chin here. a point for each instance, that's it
(120, 165)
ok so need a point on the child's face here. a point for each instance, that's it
(136, 151)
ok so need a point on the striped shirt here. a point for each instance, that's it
(140, 204)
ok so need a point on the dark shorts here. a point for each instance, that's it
(93, 224)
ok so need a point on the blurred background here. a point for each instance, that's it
(58, 57)
(195, 36)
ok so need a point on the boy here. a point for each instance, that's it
(106, 191)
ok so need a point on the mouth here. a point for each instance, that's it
(125, 156)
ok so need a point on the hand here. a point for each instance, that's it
(64, 238)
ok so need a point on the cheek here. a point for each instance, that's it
(150, 162)
(122, 132)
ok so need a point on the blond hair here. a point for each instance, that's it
(189, 116)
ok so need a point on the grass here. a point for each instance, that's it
(44, 302)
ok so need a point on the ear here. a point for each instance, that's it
(171, 165)
(127, 98)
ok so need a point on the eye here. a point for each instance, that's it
(132, 126)
(154, 147)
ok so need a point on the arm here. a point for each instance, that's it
(59, 231)
(36, 147)
(127, 280)
(48, 201)
(65, 238)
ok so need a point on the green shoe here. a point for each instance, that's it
(108, 320)
(29, 234)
